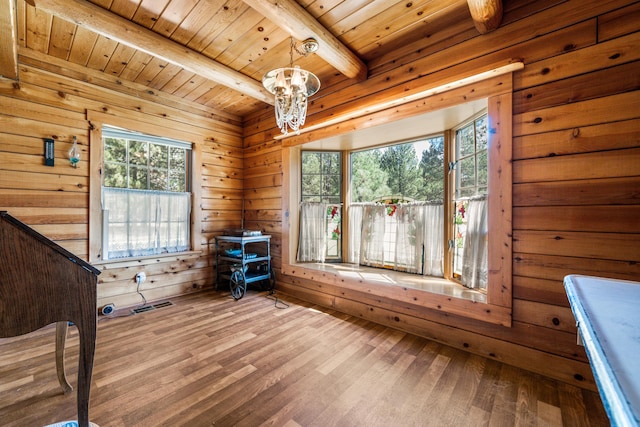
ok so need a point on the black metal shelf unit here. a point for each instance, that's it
(243, 260)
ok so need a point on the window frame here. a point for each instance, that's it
(339, 204)
(453, 150)
(99, 119)
(448, 173)
(130, 137)
(498, 307)
(451, 156)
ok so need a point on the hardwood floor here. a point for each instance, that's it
(208, 360)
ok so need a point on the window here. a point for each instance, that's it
(495, 304)
(397, 194)
(471, 158)
(470, 172)
(146, 196)
(396, 211)
(321, 205)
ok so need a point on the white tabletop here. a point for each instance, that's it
(608, 316)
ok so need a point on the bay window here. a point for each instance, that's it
(396, 205)
(467, 196)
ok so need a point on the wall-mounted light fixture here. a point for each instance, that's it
(74, 153)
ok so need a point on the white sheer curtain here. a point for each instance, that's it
(409, 219)
(372, 237)
(142, 222)
(433, 240)
(407, 237)
(355, 232)
(474, 255)
(313, 232)
(410, 239)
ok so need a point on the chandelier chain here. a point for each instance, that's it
(292, 47)
(303, 52)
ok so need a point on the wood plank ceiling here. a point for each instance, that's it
(215, 52)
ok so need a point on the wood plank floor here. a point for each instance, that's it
(210, 361)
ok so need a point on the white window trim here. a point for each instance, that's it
(98, 120)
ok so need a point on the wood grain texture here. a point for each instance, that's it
(293, 18)
(574, 176)
(9, 40)
(134, 36)
(57, 201)
(208, 359)
(40, 284)
(486, 14)
(575, 169)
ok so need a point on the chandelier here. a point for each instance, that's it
(291, 87)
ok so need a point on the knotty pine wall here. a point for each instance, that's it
(576, 170)
(56, 100)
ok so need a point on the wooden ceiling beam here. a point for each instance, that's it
(294, 19)
(486, 14)
(110, 25)
(8, 40)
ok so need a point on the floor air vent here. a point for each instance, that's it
(142, 309)
(163, 304)
(151, 307)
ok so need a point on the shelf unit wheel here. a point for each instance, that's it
(237, 284)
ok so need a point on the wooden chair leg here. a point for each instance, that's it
(61, 338)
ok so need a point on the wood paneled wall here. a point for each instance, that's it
(576, 170)
(56, 100)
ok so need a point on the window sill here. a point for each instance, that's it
(438, 294)
(432, 284)
(146, 260)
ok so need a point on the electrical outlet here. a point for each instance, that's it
(107, 309)
(141, 277)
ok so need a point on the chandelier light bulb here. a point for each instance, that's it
(281, 82)
(296, 79)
